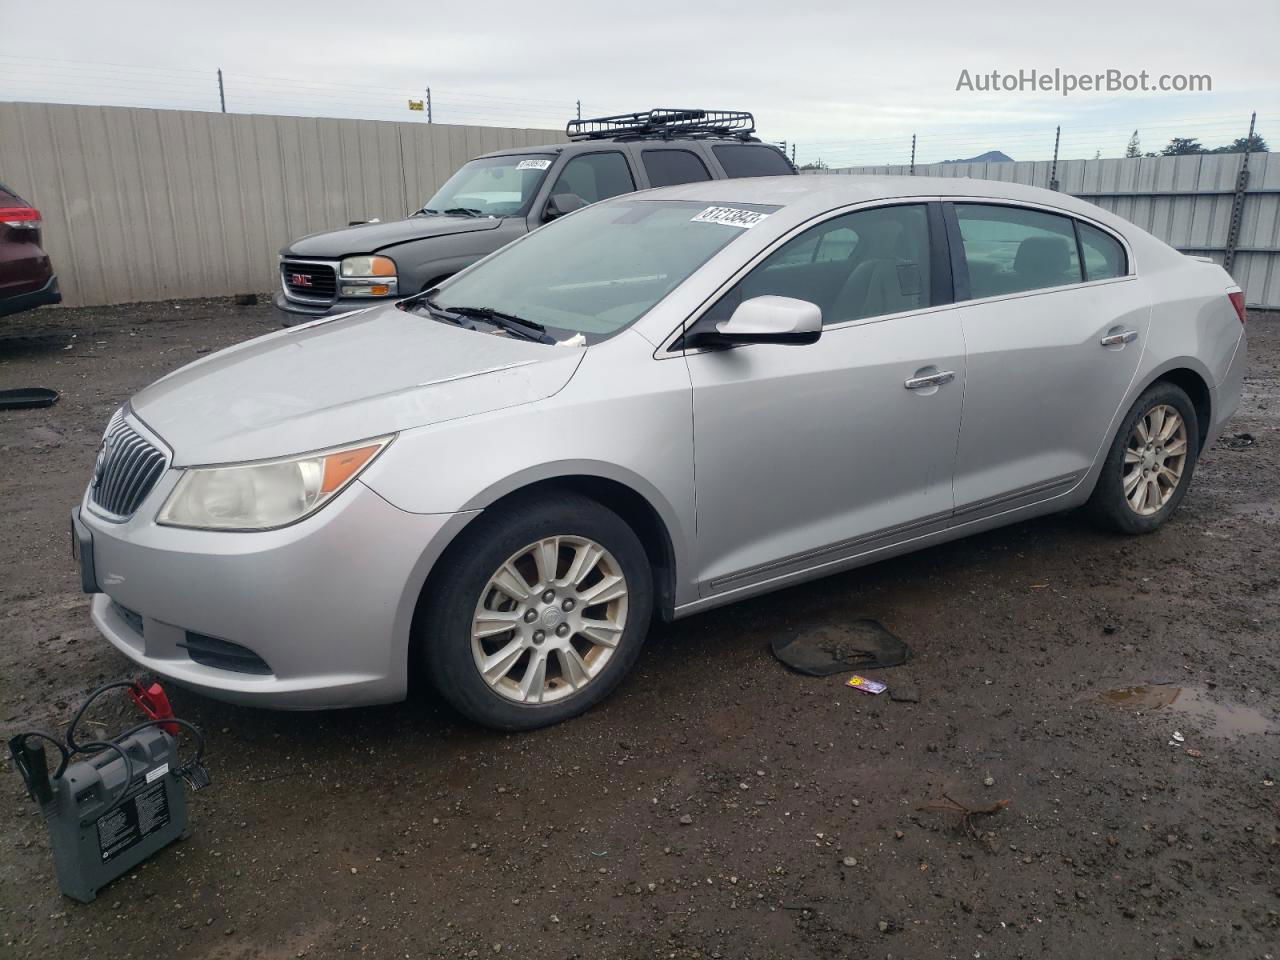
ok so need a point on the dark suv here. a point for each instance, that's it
(501, 196)
(26, 275)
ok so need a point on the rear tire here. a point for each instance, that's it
(541, 609)
(1149, 466)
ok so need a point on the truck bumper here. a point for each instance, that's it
(290, 314)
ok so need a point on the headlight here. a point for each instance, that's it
(368, 277)
(267, 493)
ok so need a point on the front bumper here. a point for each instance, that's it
(291, 313)
(327, 603)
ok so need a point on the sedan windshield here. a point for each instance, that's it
(601, 269)
(491, 187)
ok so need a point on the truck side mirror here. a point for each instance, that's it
(562, 203)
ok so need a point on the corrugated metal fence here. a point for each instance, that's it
(1185, 201)
(152, 204)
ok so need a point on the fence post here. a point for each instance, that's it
(1053, 171)
(222, 93)
(1237, 203)
(579, 109)
(913, 156)
(428, 104)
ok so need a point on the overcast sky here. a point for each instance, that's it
(848, 82)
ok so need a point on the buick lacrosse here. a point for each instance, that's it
(656, 405)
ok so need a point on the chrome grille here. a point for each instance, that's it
(309, 282)
(128, 467)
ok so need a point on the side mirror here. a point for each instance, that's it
(766, 320)
(562, 203)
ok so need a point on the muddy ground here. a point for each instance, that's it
(717, 806)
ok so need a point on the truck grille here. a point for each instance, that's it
(127, 468)
(309, 282)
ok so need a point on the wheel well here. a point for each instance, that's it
(632, 507)
(1193, 386)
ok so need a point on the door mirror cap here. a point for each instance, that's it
(767, 319)
(562, 203)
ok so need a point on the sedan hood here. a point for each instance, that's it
(361, 375)
(372, 237)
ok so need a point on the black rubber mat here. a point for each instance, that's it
(27, 398)
(835, 648)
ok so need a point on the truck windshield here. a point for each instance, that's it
(599, 270)
(491, 187)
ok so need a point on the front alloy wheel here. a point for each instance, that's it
(549, 619)
(536, 611)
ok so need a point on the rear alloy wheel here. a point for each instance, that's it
(1149, 465)
(1154, 459)
(539, 610)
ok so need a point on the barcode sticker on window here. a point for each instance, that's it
(533, 164)
(730, 217)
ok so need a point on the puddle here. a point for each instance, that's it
(1219, 719)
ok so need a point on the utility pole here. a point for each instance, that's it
(1053, 171)
(428, 104)
(1237, 202)
(913, 155)
(222, 93)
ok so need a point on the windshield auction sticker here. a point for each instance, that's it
(730, 217)
(533, 164)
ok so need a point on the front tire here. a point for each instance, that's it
(1149, 466)
(541, 609)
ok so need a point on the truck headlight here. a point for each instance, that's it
(266, 493)
(368, 276)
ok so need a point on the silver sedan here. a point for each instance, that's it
(659, 404)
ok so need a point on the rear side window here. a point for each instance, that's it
(1103, 255)
(752, 161)
(596, 176)
(1014, 249)
(669, 167)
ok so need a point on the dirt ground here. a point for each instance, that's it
(717, 806)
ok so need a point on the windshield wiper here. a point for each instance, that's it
(438, 312)
(529, 329)
(464, 211)
(428, 212)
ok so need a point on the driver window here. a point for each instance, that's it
(595, 176)
(865, 264)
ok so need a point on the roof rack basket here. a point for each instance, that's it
(664, 123)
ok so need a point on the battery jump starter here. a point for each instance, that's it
(110, 804)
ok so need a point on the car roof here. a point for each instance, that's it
(807, 194)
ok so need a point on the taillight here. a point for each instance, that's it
(1237, 301)
(20, 218)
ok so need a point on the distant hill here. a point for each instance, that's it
(991, 156)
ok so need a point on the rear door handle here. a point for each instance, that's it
(1116, 339)
(931, 380)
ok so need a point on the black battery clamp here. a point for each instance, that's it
(112, 803)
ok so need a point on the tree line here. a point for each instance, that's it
(1182, 146)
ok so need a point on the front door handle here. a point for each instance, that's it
(930, 380)
(1118, 339)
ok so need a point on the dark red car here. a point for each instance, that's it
(27, 279)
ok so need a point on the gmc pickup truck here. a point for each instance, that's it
(499, 197)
